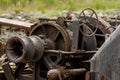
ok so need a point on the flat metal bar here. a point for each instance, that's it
(36, 70)
(75, 28)
(8, 71)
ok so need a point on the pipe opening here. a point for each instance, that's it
(14, 48)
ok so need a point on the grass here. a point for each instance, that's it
(53, 7)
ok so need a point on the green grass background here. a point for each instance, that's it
(53, 6)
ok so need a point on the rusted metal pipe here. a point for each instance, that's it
(60, 74)
(24, 49)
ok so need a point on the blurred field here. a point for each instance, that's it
(54, 6)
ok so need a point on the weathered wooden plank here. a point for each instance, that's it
(15, 23)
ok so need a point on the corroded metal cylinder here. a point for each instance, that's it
(39, 47)
(24, 49)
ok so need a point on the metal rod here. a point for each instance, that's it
(48, 19)
(76, 52)
(75, 72)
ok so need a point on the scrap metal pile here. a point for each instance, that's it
(51, 49)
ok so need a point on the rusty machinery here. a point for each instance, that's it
(55, 49)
